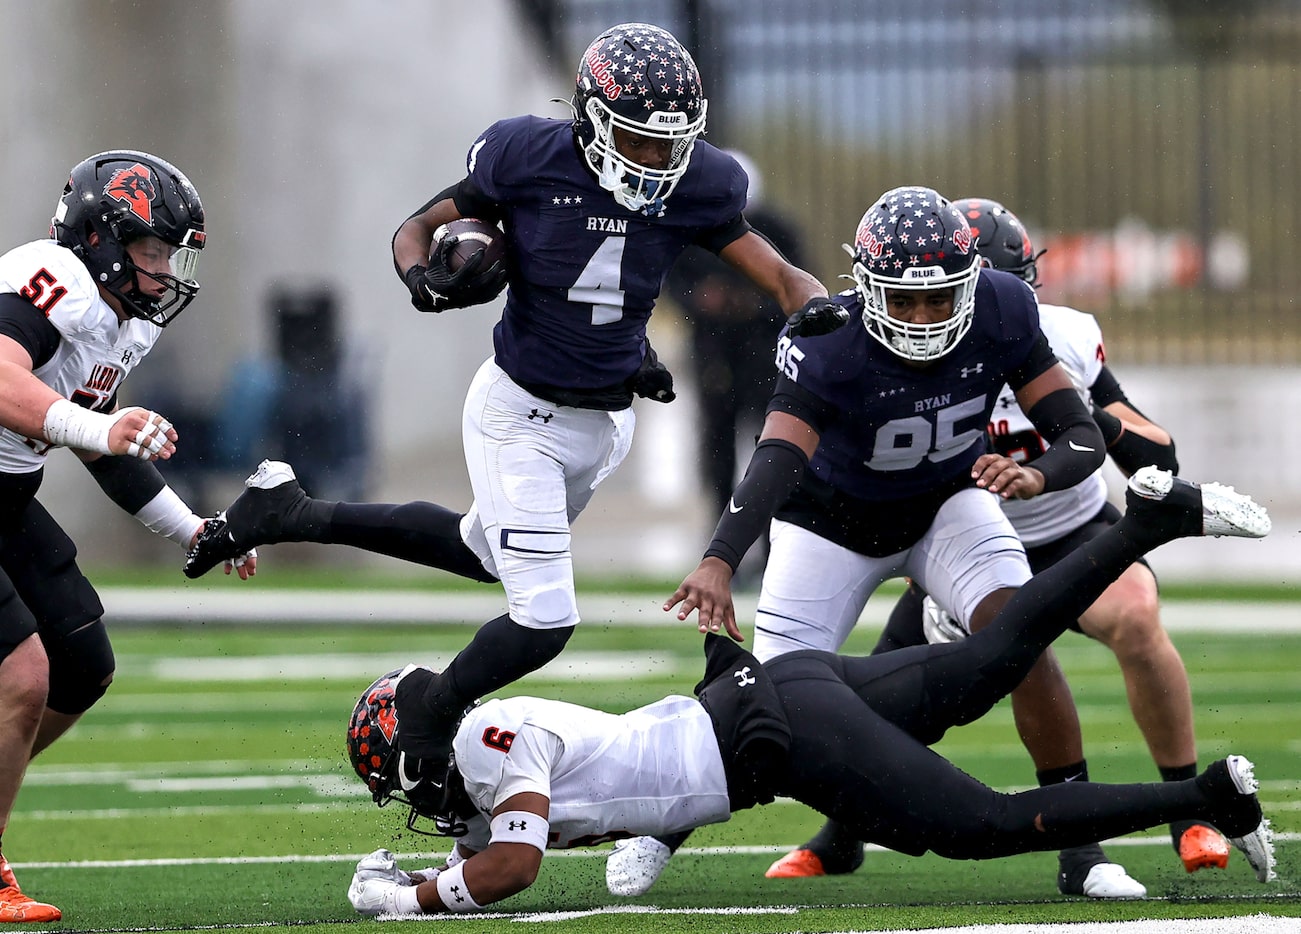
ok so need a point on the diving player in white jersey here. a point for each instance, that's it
(1126, 617)
(833, 732)
(78, 313)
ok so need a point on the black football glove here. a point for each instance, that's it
(818, 316)
(653, 380)
(437, 288)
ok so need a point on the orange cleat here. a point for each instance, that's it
(1203, 847)
(7, 880)
(15, 906)
(797, 864)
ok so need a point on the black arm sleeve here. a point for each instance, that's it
(793, 399)
(1129, 449)
(1076, 446)
(1106, 390)
(20, 320)
(718, 238)
(775, 468)
(128, 481)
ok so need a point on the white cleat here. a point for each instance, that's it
(269, 475)
(1110, 881)
(1258, 845)
(633, 865)
(1225, 511)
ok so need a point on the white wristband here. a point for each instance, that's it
(521, 827)
(71, 426)
(453, 892)
(167, 515)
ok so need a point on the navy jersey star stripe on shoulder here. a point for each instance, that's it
(586, 270)
(901, 431)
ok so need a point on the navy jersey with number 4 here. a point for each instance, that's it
(901, 431)
(586, 271)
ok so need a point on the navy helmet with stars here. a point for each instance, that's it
(913, 238)
(638, 78)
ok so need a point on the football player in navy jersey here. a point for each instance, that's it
(1127, 617)
(874, 464)
(595, 210)
(78, 312)
(844, 735)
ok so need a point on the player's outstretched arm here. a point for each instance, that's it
(509, 864)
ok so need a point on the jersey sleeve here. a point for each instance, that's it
(528, 766)
(497, 163)
(22, 323)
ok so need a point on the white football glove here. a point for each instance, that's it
(381, 865)
(373, 896)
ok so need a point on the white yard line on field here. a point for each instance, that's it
(143, 604)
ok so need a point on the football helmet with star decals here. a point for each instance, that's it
(637, 78)
(433, 791)
(1001, 238)
(116, 197)
(913, 238)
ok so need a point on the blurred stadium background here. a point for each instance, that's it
(1150, 145)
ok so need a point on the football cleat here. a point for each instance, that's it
(1205, 509)
(7, 878)
(1085, 870)
(797, 864)
(1101, 880)
(17, 907)
(1233, 781)
(634, 865)
(263, 514)
(1203, 847)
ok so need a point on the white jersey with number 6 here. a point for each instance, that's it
(653, 770)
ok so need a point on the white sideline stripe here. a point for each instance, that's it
(155, 604)
(609, 666)
(432, 854)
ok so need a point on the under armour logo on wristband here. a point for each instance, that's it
(518, 825)
(456, 893)
(743, 677)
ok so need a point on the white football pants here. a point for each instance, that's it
(533, 467)
(814, 590)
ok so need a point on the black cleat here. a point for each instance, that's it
(425, 735)
(262, 515)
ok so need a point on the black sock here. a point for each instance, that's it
(501, 652)
(422, 533)
(1179, 773)
(674, 840)
(1079, 772)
